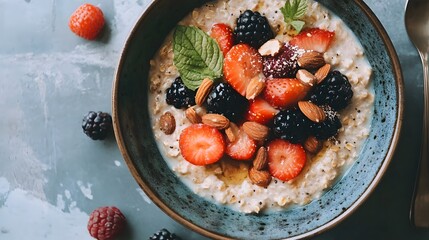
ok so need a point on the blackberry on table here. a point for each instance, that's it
(223, 99)
(97, 125)
(328, 128)
(282, 65)
(252, 28)
(291, 125)
(334, 91)
(179, 95)
(164, 234)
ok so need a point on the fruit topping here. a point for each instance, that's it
(284, 64)
(261, 111)
(201, 144)
(223, 35)
(87, 21)
(285, 160)
(106, 222)
(241, 64)
(179, 95)
(292, 125)
(223, 99)
(243, 148)
(335, 90)
(284, 92)
(328, 128)
(315, 39)
(252, 28)
(97, 125)
(164, 234)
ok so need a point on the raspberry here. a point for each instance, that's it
(282, 65)
(105, 222)
(87, 21)
(97, 125)
(164, 234)
(179, 95)
(252, 28)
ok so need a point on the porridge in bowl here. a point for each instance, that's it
(260, 105)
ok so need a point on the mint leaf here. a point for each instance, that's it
(196, 56)
(293, 11)
(298, 25)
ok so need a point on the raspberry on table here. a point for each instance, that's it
(97, 125)
(106, 222)
(87, 21)
(252, 28)
(179, 95)
(164, 234)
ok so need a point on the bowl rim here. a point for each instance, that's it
(397, 72)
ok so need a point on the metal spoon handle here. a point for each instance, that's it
(420, 208)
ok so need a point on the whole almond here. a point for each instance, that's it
(203, 91)
(322, 72)
(311, 60)
(254, 88)
(231, 132)
(312, 145)
(261, 161)
(256, 130)
(215, 120)
(270, 48)
(261, 178)
(306, 77)
(312, 111)
(167, 123)
(192, 115)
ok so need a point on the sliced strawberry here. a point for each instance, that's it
(260, 111)
(241, 64)
(285, 160)
(224, 36)
(315, 39)
(201, 144)
(243, 148)
(284, 92)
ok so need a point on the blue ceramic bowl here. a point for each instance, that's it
(136, 142)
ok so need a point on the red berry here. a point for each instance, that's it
(282, 65)
(243, 148)
(201, 144)
(284, 92)
(105, 222)
(261, 111)
(285, 160)
(315, 39)
(241, 64)
(87, 21)
(224, 36)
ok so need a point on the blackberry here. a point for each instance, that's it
(291, 125)
(223, 99)
(97, 125)
(164, 234)
(334, 91)
(328, 128)
(179, 95)
(252, 28)
(282, 65)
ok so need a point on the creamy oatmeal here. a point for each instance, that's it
(226, 181)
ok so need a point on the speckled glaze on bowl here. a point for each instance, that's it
(136, 142)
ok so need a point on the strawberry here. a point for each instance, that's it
(285, 160)
(201, 144)
(87, 21)
(224, 36)
(241, 64)
(315, 39)
(243, 148)
(284, 92)
(260, 111)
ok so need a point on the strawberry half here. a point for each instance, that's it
(260, 111)
(224, 36)
(243, 148)
(315, 39)
(201, 144)
(284, 92)
(241, 64)
(285, 160)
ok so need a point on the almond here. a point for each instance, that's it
(322, 72)
(215, 120)
(167, 123)
(203, 91)
(312, 111)
(312, 145)
(261, 161)
(192, 115)
(306, 77)
(256, 130)
(270, 48)
(311, 60)
(231, 132)
(254, 88)
(261, 178)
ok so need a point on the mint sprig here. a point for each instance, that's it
(196, 56)
(293, 11)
